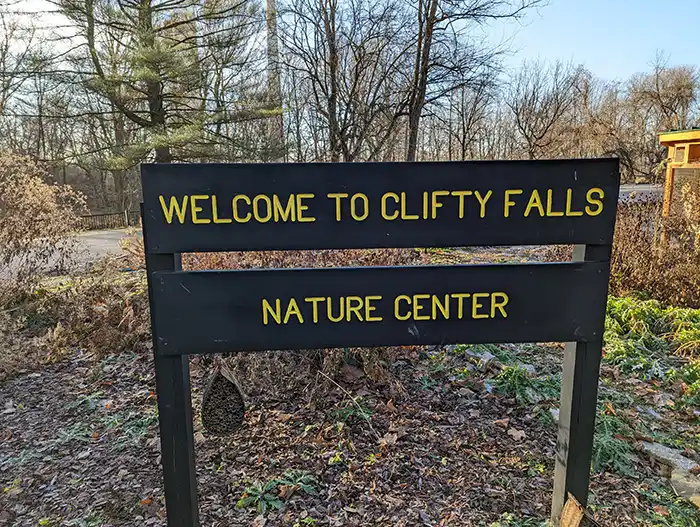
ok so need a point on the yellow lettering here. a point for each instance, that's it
(282, 212)
(293, 309)
(476, 305)
(314, 305)
(417, 307)
(444, 308)
(396, 307)
(174, 208)
(405, 215)
(508, 203)
(500, 305)
(341, 316)
(354, 309)
(195, 209)
(482, 201)
(461, 194)
(569, 212)
(460, 305)
(369, 308)
(551, 212)
(425, 205)
(215, 212)
(353, 207)
(235, 201)
(301, 208)
(337, 196)
(268, 310)
(436, 203)
(385, 214)
(597, 202)
(535, 202)
(256, 208)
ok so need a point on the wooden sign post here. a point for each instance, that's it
(195, 208)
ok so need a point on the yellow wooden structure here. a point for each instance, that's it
(683, 154)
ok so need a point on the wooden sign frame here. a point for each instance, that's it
(202, 207)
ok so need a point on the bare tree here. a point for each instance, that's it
(539, 97)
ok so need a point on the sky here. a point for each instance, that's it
(614, 39)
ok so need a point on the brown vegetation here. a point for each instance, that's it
(37, 219)
(646, 263)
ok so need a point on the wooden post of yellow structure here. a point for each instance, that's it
(683, 153)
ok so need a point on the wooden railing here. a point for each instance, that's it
(112, 220)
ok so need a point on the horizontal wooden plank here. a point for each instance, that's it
(223, 311)
(197, 207)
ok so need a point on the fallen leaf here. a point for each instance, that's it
(516, 434)
(474, 413)
(388, 440)
(146, 501)
(390, 406)
(503, 423)
(660, 509)
(608, 409)
(286, 491)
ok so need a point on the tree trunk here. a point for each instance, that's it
(328, 11)
(422, 66)
(154, 90)
(274, 85)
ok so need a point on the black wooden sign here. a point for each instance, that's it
(374, 306)
(347, 205)
(188, 208)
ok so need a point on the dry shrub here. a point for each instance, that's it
(669, 272)
(304, 259)
(102, 313)
(37, 219)
(642, 265)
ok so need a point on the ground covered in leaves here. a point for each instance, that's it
(451, 440)
(448, 436)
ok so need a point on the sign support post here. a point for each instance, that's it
(578, 404)
(174, 412)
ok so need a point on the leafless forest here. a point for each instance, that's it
(92, 88)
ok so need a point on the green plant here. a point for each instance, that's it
(610, 451)
(262, 496)
(666, 509)
(298, 480)
(306, 521)
(89, 401)
(427, 382)
(514, 381)
(647, 340)
(272, 495)
(355, 408)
